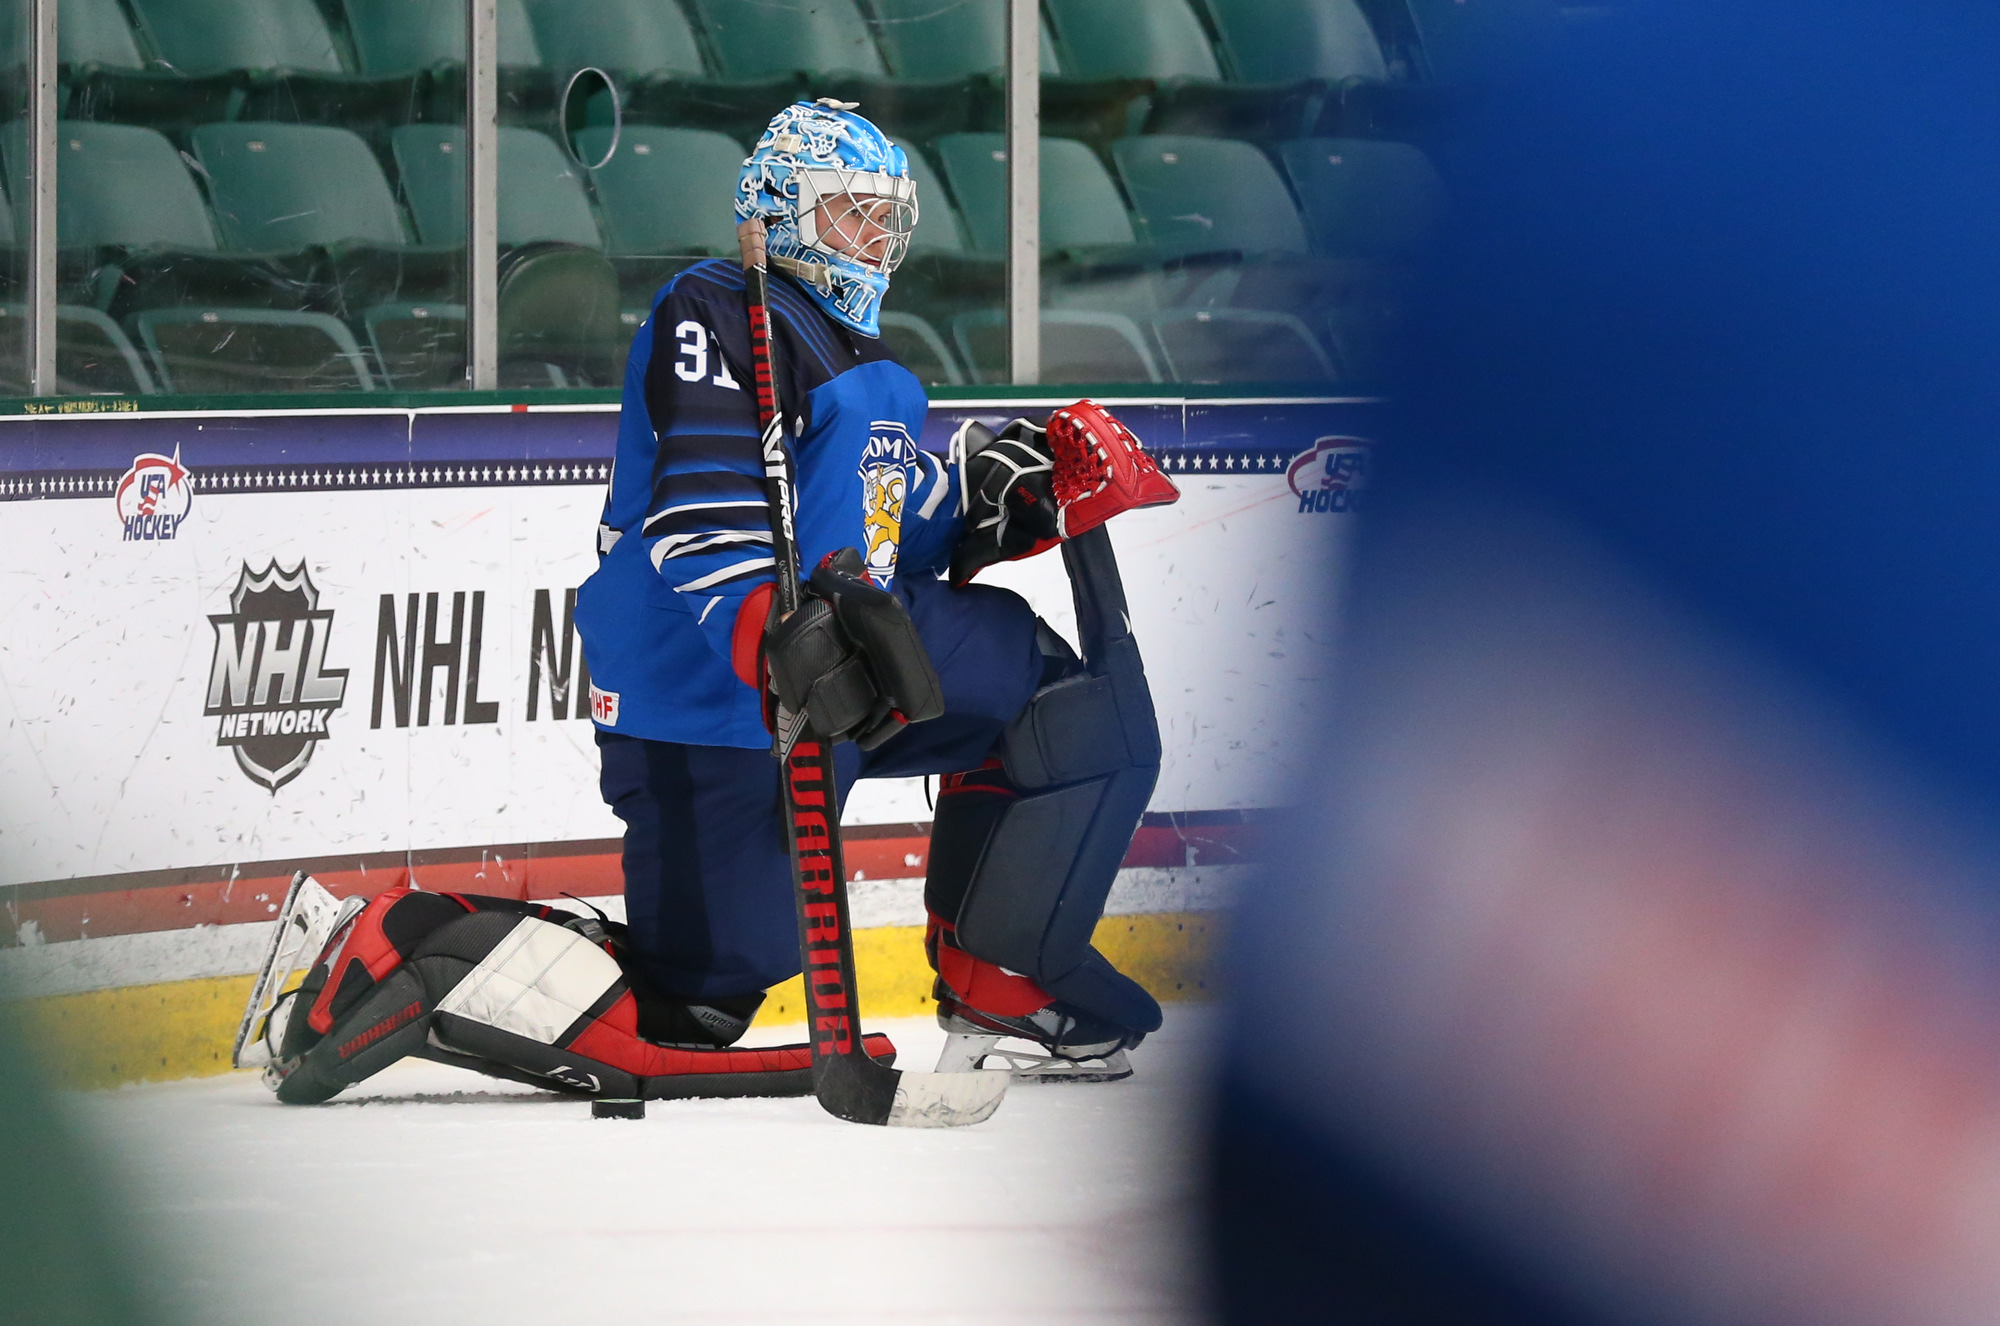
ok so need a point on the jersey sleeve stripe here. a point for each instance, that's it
(680, 519)
(688, 545)
(707, 506)
(938, 486)
(735, 571)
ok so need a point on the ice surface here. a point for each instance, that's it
(430, 1194)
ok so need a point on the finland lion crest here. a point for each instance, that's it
(885, 480)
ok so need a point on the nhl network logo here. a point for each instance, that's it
(269, 683)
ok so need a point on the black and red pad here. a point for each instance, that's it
(1023, 856)
(507, 989)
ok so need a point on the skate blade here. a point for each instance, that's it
(1027, 1068)
(309, 917)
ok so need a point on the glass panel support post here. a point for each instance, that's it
(41, 208)
(482, 193)
(1024, 190)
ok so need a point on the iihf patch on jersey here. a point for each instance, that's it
(604, 706)
(885, 481)
(154, 496)
(268, 682)
(1331, 476)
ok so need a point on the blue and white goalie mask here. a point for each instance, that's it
(837, 203)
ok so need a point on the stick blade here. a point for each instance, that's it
(862, 1090)
(946, 1100)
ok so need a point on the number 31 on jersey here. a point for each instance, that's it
(692, 365)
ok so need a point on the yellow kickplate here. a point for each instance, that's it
(143, 1033)
(157, 1033)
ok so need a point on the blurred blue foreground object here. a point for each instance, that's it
(1640, 963)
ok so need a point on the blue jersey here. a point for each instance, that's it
(686, 533)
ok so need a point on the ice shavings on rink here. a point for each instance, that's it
(430, 1194)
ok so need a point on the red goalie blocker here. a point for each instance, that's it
(1100, 469)
(514, 990)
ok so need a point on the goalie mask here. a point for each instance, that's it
(838, 206)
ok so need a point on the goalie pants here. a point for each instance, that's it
(708, 881)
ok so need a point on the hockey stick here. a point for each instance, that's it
(848, 1083)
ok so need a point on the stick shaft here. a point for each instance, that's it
(777, 455)
(811, 795)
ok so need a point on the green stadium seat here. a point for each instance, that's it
(541, 189)
(559, 309)
(93, 357)
(1115, 55)
(422, 43)
(1290, 61)
(224, 351)
(418, 347)
(421, 346)
(123, 185)
(1196, 195)
(1364, 199)
(1080, 205)
(1365, 337)
(625, 36)
(287, 186)
(1281, 41)
(739, 108)
(403, 36)
(917, 347)
(1077, 346)
(210, 36)
(928, 41)
(752, 40)
(1239, 345)
(666, 190)
(266, 59)
(89, 33)
(1156, 39)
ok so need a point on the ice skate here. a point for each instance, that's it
(1051, 1044)
(308, 918)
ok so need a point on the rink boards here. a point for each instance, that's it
(238, 644)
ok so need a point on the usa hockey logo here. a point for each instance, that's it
(885, 480)
(154, 497)
(1331, 476)
(269, 684)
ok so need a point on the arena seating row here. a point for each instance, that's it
(289, 240)
(268, 194)
(1262, 68)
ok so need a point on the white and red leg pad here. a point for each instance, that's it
(1100, 469)
(502, 988)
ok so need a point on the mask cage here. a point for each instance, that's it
(887, 202)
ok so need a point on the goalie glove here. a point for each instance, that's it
(1026, 488)
(849, 659)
